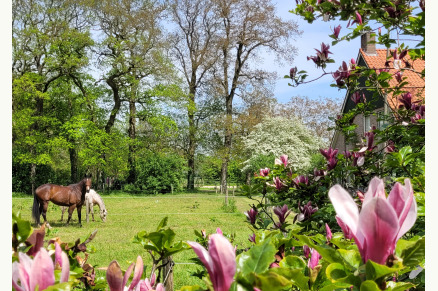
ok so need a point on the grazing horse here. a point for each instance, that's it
(72, 196)
(91, 199)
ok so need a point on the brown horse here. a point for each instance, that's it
(72, 196)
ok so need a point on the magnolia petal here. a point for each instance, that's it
(224, 259)
(219, 231)
(403, 201)
(142, 286)
(127, 274)
(114, 276)
(160, 287)
(65, 268)
(360, 161)
(314, 259)
(277, 162)
(41, 272)
(24, 269)
(16, 276)
(378, 223)
(148, 284)
(137, 273)
(204, 256)
(58, 252)
(411, 215)
(376, 188)
(346, 208)
(153, 279)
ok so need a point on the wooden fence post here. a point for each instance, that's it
(168, 273)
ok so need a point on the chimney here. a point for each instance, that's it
(368, 48)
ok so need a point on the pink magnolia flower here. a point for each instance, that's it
(282, 213)
(252, 238)
(314, 259)
(277, 183)
(306, 251)
(358, 97)
(251, 215)
(336, 31)
(28, 273)
(283, 160)
(382, 220)
(220, 261)
(328, 231)
(117, 282)
(328, 153)
(358, 18)
(264, 172)
(293, 72)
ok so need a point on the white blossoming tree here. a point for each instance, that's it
(279, 135)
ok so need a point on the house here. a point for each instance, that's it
(386, 103)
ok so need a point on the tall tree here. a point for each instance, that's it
(131, 56)
(249, 27)
(195, 51)
(49, 43)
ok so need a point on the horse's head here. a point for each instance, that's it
(87, 184)
(103, 214)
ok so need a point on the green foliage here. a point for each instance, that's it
(159, 172)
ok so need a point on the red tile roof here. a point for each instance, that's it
(416, 84)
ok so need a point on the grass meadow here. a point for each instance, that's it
(129, 214)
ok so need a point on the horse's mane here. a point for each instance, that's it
(96, 196)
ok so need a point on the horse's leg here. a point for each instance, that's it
(71, 208)
(63, 208)
(79, 208)
(44, 206)
(92, 210)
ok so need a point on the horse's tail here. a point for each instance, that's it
(36, 209)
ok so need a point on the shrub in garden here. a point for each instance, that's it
(159, 172)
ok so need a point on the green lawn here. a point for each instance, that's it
(128, 215)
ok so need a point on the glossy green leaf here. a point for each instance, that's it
(191, 288)
(296, 276)
(272, 281)
(414, 254)
(375, 271)
(369, 285)
(293, 262)
(257, 259)
(335, 271)
(398, 286)
(351, 257)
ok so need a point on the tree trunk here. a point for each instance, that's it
(32, 177)
(168, 273)
(192, 136)
(131, 133)
(227, 147)
(73, 165)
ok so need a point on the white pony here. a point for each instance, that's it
(91, 199)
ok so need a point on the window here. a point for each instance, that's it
(381, 122)
(366, 124)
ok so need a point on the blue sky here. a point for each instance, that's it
(312, 37)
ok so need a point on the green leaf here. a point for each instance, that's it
(351, 257)
(296, 276)
(66, 286)
(272, 281)
(334, 286)
(414, 254)
(257, 259)
(369, 285)
(293, 262)
(335, 271)
(375, 271)
(399, 286)
(162, 223)
(192, 288)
